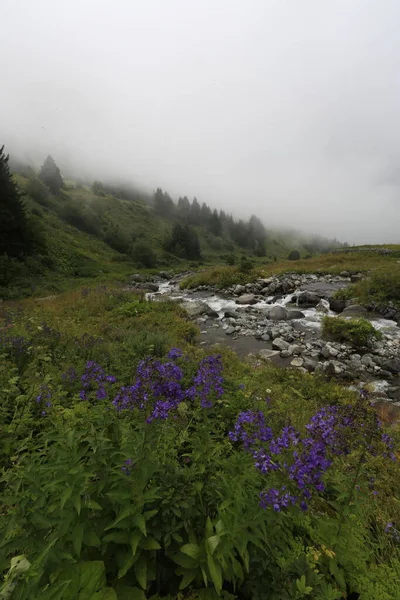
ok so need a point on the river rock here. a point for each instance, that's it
(278, 313)
(153, 287)
(309, 363)
(392, 365)
(308, 299)
(355, 310)
(266, 354)
(295, 314)
(136, 277)
(337, 304)
(231, 314)
(164, 275)
(198, 308)
(239, 289)
(246, 299)
(230, 330)
(280, 344)
(297, 362)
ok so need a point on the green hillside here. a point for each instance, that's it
(99, 231)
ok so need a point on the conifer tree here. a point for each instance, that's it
(14, 234)
(51, 176)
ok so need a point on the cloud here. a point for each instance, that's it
(284, 109)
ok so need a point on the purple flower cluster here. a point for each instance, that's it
(125, 468)
(70, 375)
(208, 381)
(95, 379)
(158, 388)
(44, 398)
(303, 461)
(250, 428)
(14, 344)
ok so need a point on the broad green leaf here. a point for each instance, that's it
(77, 537)
(215, 573)
(184, 561)
(122, 515)
(125, 592)
(92, 578)
(76, 501)
(94, 505)
(119, 537)
(209, 528)
(127, 564)
(212, 543)
(65, 496)
(149, 543)
(140, 523)
(237, 569)
(141, 572)
(135, 539)
(90, 538)
(187, 579)
(205, 578)
(191, 550)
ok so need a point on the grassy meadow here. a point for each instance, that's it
(136, 465)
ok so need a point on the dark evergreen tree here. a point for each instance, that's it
(214, 224)
(98, 188)
(184, 208)
(163, 203)
(14, 234)
(294, 255)
(183, 242)
(195, 212)
(51, 176)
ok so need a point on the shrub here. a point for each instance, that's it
(143, 253)
(294, 255)
(245, 265)
(357, 332)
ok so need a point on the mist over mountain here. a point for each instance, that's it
(286, 110)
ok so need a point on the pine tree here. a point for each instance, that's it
(14, 234)
(51, 176)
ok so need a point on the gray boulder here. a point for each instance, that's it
(308, 299)
(153, 287)
(356, 278)
(278, 313)
(295, 314)
(297, 362)
(198, 308)
(136, 277)
(280, 344)
(337, 304)
(392, 365)
(266, 354)
(231, 314)
(355, 310)
(239, 289)
(246, 299)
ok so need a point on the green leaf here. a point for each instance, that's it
(76, 501)
(94, 505)
(77, 537)
(92, 578)
(135, 539)
(209, 528)
(65, 496)
(184, 561)
(237, 569)
(187, 579)
(90, 538)
(215, 573)
(126, 565)
(141, 572)
(106, 594)
(192, 550)
(119, 537)
(125, 592)
(150, 543)
(122, 515)
(212, 542)
(140, 523)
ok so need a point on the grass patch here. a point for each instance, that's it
(357, 332)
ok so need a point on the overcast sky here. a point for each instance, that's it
(289, 109)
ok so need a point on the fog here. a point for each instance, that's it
(284, 108)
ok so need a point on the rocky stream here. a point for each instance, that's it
(279, 320)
